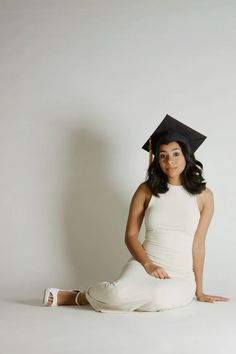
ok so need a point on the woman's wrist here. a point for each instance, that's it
(146, 263)
(198, 293)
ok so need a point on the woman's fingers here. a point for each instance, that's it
(156, 271)
(220, 298)
(212, 298)
(161, 275)
(156, 274)
(165, 275)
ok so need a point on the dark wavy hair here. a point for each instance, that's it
(191, 177)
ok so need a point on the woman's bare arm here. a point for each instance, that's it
(200, 237)
(199, 248)
(135, 219)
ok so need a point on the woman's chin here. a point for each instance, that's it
(173, 171)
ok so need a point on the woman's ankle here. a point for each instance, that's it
(82, 299)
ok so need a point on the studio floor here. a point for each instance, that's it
(27, 326)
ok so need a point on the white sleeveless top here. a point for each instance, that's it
(170, 225)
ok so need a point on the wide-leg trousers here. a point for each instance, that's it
(136, 290)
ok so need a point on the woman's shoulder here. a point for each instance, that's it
(207, 192)
(144, 188)
(205, 198)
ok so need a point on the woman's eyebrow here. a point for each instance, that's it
(171, 150)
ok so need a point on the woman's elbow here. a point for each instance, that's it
(130, 237)
(199, 248)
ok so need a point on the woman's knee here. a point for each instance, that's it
(107, 292)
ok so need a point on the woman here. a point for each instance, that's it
(166, 271)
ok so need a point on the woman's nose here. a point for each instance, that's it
(170, 162)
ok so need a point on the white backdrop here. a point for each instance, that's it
(83, 85)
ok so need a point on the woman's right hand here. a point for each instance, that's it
(155, 271)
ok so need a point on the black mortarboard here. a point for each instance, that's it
(177, 131)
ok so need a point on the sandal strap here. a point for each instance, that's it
(77, 296)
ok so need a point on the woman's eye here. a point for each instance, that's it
(175, 154)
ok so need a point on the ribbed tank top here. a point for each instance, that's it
(170, 224)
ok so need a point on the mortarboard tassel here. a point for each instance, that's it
(150, 151)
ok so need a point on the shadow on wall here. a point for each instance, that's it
(95, 215)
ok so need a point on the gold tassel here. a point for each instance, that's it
(150, 151)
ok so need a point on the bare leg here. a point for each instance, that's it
(67, 298)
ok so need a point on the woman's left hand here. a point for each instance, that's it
(211, 298)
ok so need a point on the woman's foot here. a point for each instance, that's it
(67, 298)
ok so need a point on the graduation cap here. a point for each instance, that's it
(177, 131)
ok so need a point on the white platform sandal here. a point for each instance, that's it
(54, 292)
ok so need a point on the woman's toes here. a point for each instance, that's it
(50, 299)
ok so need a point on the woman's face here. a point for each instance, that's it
(171, 159)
